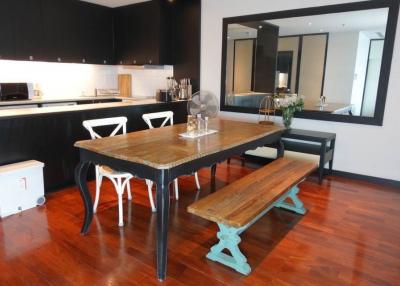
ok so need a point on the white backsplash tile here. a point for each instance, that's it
(146, 81)
(63, 80)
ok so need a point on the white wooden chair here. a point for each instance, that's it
(120, 180)
(168, 117)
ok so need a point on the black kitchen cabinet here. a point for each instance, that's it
(7, 46)
(78, 32)
(186, 29)
(28, 30)
(141, 31)
(97, 31)
(157, 32)
(56, 31)
(62, 31)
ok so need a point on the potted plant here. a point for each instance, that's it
(289, 104)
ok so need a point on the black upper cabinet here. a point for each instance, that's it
(28, 30)
(7, 46)
(62, 31)
(141, 31)
(97, 32)
(56, 31)
(78, 32)
(157, 32)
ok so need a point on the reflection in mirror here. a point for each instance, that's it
(251, 63)
(333, 60)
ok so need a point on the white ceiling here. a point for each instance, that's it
(115, 3)
(364, 20)
(373, 20)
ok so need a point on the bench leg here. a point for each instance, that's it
(297, 205)
(229, 239)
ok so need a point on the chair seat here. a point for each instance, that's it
(107, 171)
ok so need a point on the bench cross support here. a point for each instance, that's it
(229, 239)
(229, 236)
(297, 205)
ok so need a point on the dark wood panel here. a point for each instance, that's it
(7, 36)
(63, 30)
(186, 46)
(137, 33)
(50, 138)
(28, 30)
(97, 30)
(266, 60)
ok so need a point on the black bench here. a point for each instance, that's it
(312, 142)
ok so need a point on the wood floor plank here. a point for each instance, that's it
(349, 236)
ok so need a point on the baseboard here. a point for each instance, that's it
(371, 179)
(376, 180)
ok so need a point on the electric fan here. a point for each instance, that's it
(204, 103)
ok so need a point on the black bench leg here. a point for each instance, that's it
(332, 147)
(280, 149)
(213, 170)
(321, 163)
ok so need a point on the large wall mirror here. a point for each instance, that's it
(337, 57)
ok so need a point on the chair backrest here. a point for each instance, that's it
(119, 121)
(166, 115)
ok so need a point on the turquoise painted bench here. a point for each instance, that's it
(240, 204)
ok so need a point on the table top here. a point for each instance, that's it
(308, 135)
(163, 148)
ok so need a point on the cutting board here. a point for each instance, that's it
(125, 85)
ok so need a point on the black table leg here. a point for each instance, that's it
(81, 181)
(162, 224)
(213, 170)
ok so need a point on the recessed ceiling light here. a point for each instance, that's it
(309, 24)
(260, 27)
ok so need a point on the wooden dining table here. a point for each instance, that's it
(161, 155)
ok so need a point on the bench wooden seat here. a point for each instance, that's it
(237, 206)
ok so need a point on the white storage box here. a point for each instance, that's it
(21, 187)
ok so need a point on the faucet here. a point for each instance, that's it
(322, 100)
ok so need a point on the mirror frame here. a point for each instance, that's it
(384, 76)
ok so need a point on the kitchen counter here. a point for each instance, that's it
(336, 108)
(41, 100)
(21, 112)
(48, 134)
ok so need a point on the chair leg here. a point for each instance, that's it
(128, 187)
(196, 178)
(120, 191)
(99, 180)
(176, 189)
(149, 189)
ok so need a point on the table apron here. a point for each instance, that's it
(147, 172)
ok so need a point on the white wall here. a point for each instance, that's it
(312, 68)
(61, 80)
(291, 44)
(361, 149)
(145, 82)
(359, 72)
(340, 66)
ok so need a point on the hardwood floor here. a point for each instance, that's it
(350, 236)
